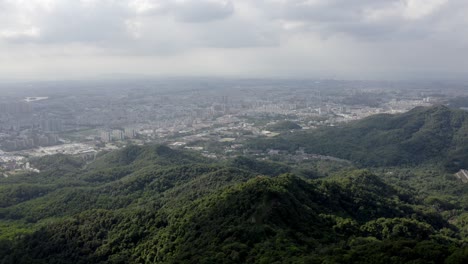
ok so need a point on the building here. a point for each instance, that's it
(106, 136)
(130, 133)
(118, 135)
(51, 125)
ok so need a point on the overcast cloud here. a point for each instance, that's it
(348, 39)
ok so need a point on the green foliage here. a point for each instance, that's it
(58, 163)
(283, 126)
(261, 167)
(391, 251)
(17, 193)
(144, 156)
(391, 228)
(152, 204)
(422, 135)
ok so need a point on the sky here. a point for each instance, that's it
(343, 39)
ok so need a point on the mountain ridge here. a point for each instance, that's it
(423, 135)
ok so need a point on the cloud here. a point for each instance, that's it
(316, 37)
(417, 9)
(107, 22)
(92, 20)
(202, 11)
(367, 19)
(21, 34)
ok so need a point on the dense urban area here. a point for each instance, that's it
(213, 116)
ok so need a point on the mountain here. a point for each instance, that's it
(153, 204)
(423, 135)
(283, 126)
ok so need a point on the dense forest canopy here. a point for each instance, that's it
(423, 135)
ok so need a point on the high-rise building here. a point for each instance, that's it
(15, 108)
(106, 136)
(130, 133)
(117, 135)
(51, 125)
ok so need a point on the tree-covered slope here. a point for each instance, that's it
(435, 134)
(142, 156)
(283, 126)
(265, 220)
(139, 205)
(152, 204)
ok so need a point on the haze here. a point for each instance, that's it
(348, 39)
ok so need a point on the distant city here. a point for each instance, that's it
(83, 118)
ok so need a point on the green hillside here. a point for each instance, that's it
(423, 135)
(283, 126)
(153, 204)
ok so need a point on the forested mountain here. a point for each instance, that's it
(423, 135)
(153, 204)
